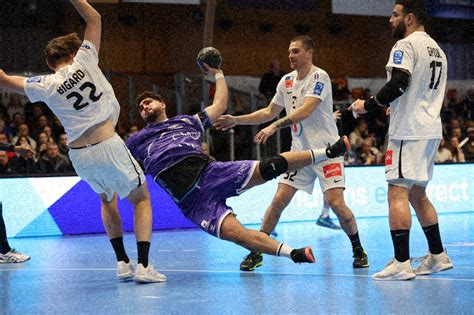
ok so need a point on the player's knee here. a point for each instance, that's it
(273, 167)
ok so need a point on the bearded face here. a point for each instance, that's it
(399, 30)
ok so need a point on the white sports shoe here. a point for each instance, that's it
(433, 263)
(395, 270)
(148, 274)
(13, 257)
(125, 271)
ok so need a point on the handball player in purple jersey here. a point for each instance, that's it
(170, 150)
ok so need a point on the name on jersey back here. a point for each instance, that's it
(75, 78)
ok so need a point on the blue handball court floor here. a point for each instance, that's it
(76, 275)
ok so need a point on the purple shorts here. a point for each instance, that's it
(206, 205)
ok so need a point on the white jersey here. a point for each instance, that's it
(416, 114)
(79, 94)
(319, 129)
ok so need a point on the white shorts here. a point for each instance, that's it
(410, 162)
(329, 172)
(108, 167)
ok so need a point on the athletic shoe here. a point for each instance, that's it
(360, 258)
(125, 271)
(148, 274)
(251, 261)
(339, 148)
(327, 223)
(433, 263)
(13, 257)
(395, 270)
(303, 255)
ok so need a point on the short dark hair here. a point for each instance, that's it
(148, 94)
(307, 41)
(61, 48)
(416, 7)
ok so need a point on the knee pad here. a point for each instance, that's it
(272, 167)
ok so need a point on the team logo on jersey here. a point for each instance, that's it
(289, 82)
(331, 170)
(318, 89)
(85, 46)
(34, 80)
(388, 157)
(297, 129)
(397, 57)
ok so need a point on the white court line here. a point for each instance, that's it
(240, 272)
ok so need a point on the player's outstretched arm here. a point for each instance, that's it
(93, 20)
(12, 83)
(221, 97)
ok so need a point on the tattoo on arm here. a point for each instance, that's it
(283, 123)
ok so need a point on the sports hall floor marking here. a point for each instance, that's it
(250, 274)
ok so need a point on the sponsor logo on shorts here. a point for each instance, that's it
(318, 89)
(34, 80)
(332, 170)
(397, 57)
(388, 157)
(204, 224)
(289, 82)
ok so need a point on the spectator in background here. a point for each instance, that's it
(63, 146)
(270, 79)
(443, 155)
(24, 130)
(467, 104)
(16, 121)
(42, 144)
(15, 105)
(368, 154)
(468, 148)
(340, 92)
(32, 118)
(53, 162)
(42, 122)
(4, 164)
(359, 134)
(4, 140)
(457, 155)
(24, 164)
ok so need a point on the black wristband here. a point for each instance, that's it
(371, 105)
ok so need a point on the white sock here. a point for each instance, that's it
(325, 211)
(318, 155)
(284, 250)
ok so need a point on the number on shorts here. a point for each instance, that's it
(78, 104)
(290, 175)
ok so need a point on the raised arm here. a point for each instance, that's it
(93, 20)
(12, 83)
(219, 106)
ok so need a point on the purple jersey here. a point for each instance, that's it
(161, 145)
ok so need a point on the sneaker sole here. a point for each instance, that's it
(429, 272)
(125, 278)
(360, 266)
(144, 280)
(332, 227)
(309, 254)
(402, 276)
(254, 267)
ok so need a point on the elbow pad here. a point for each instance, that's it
(394, 88)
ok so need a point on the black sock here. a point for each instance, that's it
(401, 246)
(434, 238)
(355, 241)
(4, 246)
(143, 250)
(117, 244)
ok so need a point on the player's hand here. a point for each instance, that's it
(23, 150)
(212, 71)
(357, 108)
(263, 135)
(336, 115)
(225, 122)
